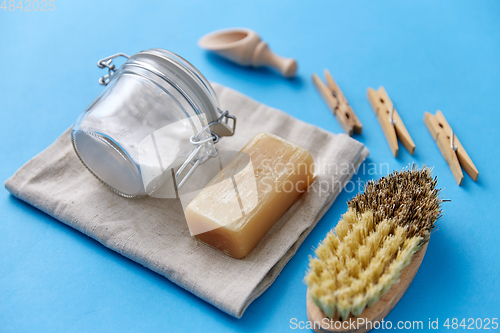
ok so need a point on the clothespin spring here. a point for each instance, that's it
(392, 121)
(451, 142)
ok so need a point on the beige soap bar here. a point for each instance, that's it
(243, 201)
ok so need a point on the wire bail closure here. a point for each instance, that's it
(107, 63)
(197, 141)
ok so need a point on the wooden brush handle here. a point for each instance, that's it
(379, 310)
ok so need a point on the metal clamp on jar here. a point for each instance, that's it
(157, 118)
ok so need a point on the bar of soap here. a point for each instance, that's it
(243, 201)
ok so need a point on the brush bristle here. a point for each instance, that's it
(372, 243)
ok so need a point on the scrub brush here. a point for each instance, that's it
(368, 251)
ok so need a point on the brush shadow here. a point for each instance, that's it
(437, 275)
(293, 273)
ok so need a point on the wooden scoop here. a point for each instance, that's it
(373, 314)
(244, 47)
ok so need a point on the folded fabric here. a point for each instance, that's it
(154, 233)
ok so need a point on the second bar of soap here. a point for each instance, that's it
(239, 206)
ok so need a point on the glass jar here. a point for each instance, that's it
(157, 118)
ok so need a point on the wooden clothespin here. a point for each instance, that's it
(338, 104)
(451, 148)
(390, 121)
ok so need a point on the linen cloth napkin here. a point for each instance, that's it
(154, 233)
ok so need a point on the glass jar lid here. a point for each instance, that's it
(157, 113)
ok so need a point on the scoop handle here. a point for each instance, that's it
(263, 56)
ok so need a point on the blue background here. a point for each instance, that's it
(429, 55)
